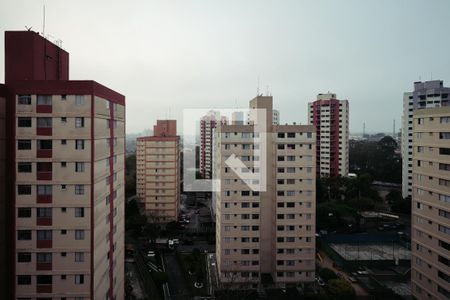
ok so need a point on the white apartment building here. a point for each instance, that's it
(266, 238)
(426, 94)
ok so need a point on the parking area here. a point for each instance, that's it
(371, 251)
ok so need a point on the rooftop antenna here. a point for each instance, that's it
(393, 130)
(28, 28)
(257, 88)
(43, 22)
(267, 90)
(364, 129)
(431, 76)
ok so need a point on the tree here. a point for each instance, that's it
(327, 274)
(340, 289)
(402, 206)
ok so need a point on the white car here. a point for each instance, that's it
(151, 254)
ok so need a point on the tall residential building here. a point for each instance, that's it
(65, 183)
(425, 95)
(266, 237)
(3, 204)
(158, 172)
(430, 270)
(208, 124)
(330, 118)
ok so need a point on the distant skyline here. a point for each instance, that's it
(170, 55)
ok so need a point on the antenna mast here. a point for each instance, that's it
(43, 22)
(393, 130)
(257, 88)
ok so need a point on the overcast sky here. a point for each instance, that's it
(165, 56)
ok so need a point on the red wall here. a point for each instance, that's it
(29, 56)
(165, 128)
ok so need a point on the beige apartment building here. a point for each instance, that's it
(266, 237)
(65, 158)
(158, 172)
(430, 261)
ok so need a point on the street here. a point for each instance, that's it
(178, 286)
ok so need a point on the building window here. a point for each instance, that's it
(24, 279)
(79, 144)
(79, 167)
(24, 212)
(24, 189)
(79, 122)
(444, 135)
(24, 257)
(79, 234)
(44, 258)
(44, 100)
(79, 256)
(24, 235)
(24, 100)
(44, 189)
(44, 212)
(24, 144)
(79, 189)
(79, 99)
(79, 279)
(79, 212)
(44, 144)
(24, 167)
(44, 235)
(24, 122)
(44, 122)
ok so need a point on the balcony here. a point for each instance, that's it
(44, 108)
(44, 171)
(44, 175)
(44, 243)
(43, 266)
(44, 153)
(44, 131)
(44, 104)
(44, 221)
(44, 199)
(43, 288)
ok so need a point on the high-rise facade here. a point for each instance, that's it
(65, 158)
(208, 124)
(266, 237)
(430, 270)
(158, 172)
(330, 117)
(425, 95)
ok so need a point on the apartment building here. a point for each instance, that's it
(430, 261)
(65, 188)
(330, 117)
(158, 172)
(426, 94)
(266, 237)
(3, 205)
(208, 124)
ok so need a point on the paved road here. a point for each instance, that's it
(179, 289)
(328, 263)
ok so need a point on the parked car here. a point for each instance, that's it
(151, 254)
(320, 281)
(188, 242)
